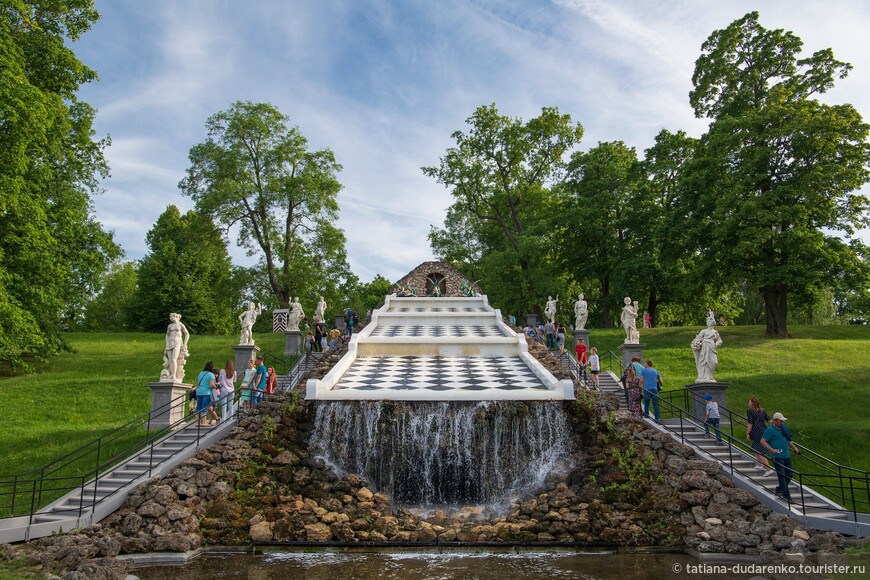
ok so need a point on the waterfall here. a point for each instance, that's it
(444, 454)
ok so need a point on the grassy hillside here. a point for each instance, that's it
(818, 380)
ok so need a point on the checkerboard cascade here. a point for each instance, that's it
(436, 373)
(420, 330)
(439, 454)
(438, 349)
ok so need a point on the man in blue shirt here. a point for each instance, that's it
(259, 381)
(777, 440)
(650, 378)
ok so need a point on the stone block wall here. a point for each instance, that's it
(417, 279)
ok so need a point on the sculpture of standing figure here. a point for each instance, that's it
(320, 311)
(581, 313)
(629, 321)
(295, 316)
(705, 348)
(248, 318)
(550, 309)
(175, 354)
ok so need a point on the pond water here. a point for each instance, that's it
(444, 564)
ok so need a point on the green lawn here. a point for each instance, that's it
(81, 395)
(818, 380)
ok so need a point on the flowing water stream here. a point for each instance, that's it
(428, 455)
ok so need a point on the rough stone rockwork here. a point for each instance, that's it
(626, 484)
(417, 279)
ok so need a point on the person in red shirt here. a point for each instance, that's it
(271, 381)
(580, 349)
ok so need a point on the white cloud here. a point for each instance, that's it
(384, 84)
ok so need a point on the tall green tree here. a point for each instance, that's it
(187, 270)
(594, 210)
(778, 169)
(369, 295)
(500, 173)
(669, 283)
(52, 251)
(256, 172)
(108, 310)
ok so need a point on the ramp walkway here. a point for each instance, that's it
(438, 349)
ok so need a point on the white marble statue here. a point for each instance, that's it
(295, 316)
(248, 318)
(550, 309)
(320, 312)
(581, 313)
(175, 354)
(629, 321)
(705, 348)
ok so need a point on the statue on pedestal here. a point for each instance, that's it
(295, 316)
(175, 354)
(550, 309)
(320, 311)
(629, 321)
(581, 313)
(248, 318)
(705, 348)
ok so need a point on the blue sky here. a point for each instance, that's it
(384, 84)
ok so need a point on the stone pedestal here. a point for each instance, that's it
(581, 335)
(292, 342)
(697, 402)
(532, 320)
(630, 351)
(162, 394)
(244, 353)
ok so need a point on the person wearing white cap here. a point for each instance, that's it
(777, 440)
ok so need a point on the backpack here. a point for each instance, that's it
(355, 318)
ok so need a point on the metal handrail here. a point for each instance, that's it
(858, 486)
(734, 418)
(573, 367)
(280, 363)
(614, 362)
(26, 490)
(100, 464)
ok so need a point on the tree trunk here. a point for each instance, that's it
(652, 306)
(605, 299)
(776, 310)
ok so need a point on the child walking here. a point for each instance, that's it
(712, 418)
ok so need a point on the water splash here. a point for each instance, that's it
(429, 455)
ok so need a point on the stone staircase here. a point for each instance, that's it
(808, 505)
(97, 497)
(609, 383)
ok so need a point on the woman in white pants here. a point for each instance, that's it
(226, 378)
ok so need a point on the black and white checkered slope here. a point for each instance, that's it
(421, 330)
(437, 373)
(438, 349)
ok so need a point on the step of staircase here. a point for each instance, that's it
(741, 462)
